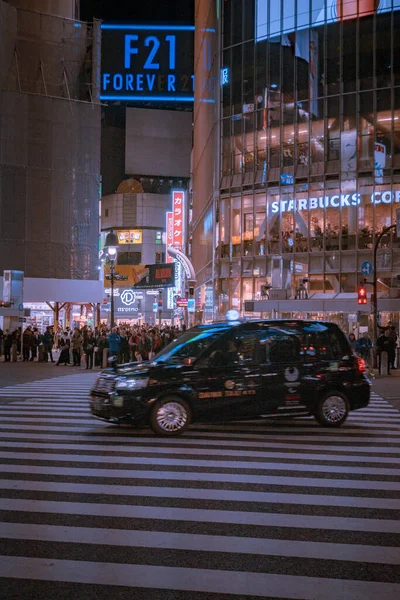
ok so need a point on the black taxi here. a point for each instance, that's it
(242, 370)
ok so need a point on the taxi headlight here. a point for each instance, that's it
(132, 384)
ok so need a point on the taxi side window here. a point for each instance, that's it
(236, 350)
(249, 349)
(279, 347)
(323, 345)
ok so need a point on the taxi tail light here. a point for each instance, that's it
(361, 365)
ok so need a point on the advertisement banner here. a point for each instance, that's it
(157, 276)
(147, 62)
(379, 161)
(132, 236)
(273, 18)
(124, 275)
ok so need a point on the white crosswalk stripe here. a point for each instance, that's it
(269, 509)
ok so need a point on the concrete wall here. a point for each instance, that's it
(61, 8)
(134, 210)
(49, 148)
(158, 142)
(205, 178)
(61, 290)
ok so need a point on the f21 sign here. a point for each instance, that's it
(147, 63)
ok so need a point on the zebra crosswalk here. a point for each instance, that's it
(262, 509)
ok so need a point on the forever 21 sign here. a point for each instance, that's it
(148, 63)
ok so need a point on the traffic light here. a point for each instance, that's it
(362, 295)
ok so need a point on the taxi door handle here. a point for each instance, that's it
(269, 374)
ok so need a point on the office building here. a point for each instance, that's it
(308, 158)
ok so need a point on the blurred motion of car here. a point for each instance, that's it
(241, 370)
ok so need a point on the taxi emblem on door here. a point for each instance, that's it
(229, 384)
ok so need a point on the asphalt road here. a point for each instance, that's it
(250, 510)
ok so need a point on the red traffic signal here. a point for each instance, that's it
(362, 295)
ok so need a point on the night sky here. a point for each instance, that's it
(154, 11)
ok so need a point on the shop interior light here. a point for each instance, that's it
(388, 119)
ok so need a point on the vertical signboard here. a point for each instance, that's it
(178, 200)
(169, 229)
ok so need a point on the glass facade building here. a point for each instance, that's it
(309, 158)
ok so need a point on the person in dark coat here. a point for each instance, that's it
(8, 340)
(89, 342)
(64, 354)
(26, 343)
(48, 341)
(386, 343)
(102, 344)
(35, 341)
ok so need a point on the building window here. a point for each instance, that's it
(129, 258)
(160, 257)
(106, 212)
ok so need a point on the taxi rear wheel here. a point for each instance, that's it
(332, 409)
(170, 416)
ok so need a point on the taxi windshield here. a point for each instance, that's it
(191, 344)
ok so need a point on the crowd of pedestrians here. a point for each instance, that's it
(387, 342)
(87, 344)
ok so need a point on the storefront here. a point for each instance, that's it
(136, 307)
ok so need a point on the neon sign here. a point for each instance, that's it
(147, 63)
(336, 201)
(178, 202)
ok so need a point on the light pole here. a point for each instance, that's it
(111, 247)
(375, 279)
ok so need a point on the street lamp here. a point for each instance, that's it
(111, 247)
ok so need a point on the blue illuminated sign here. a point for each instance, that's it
(287, 179)
(147, 63)
(224, 76)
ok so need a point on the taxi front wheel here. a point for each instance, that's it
(332, 409)
(170, 416)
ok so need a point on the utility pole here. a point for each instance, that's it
(375, 281)
(112, 260)
(160, 307)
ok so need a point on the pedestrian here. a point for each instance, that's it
(144, 346)
(8, 341)
(48, 341)
(353, 342)
(385, 343)
(64, 354)
(35, 341)
(26, 344)
(89, 342)
(393, 336)
(76, 343)
(101, 345)
(114, 342)
(124, 351)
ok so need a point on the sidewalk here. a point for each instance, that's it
(12, 373)
(388, 386)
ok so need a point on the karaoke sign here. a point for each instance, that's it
(178, 199)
